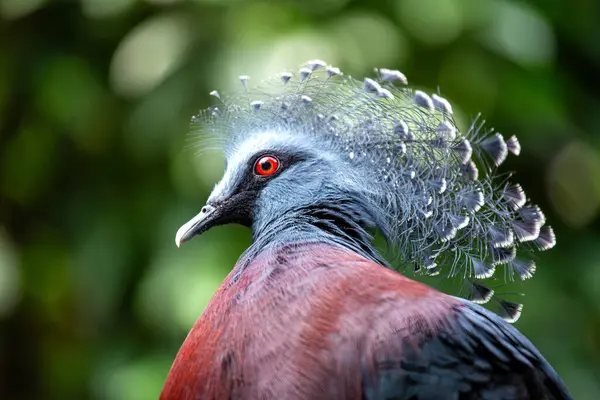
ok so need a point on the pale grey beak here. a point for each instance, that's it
(196, 225)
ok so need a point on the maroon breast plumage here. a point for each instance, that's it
(297, 324)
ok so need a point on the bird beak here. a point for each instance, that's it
(200, 223)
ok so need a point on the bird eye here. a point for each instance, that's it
(266, 165)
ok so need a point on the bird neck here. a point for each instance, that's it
(339, 222)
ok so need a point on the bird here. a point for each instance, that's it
(319, 165)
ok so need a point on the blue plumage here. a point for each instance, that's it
(430, 188)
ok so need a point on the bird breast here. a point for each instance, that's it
(301, 322)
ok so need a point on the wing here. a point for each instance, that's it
(477, 355)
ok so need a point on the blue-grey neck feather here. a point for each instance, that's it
(333, 217)
(395, 160)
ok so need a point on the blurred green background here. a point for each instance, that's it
(97, 170)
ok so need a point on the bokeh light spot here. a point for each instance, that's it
(364, 40)
(148, 54)
(132, 379)
(179, 284)
(13, 9)
(519, 33)
(9, 275)
(105, 8)
(432, 21)
(574, 183)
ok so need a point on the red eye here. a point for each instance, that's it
(266, 165)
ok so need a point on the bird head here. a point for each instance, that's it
(318, 149)
(270, 175)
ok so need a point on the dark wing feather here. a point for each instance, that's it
(475, 356)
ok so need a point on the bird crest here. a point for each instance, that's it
(446, 208)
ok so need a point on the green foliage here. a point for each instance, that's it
(97, 171)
